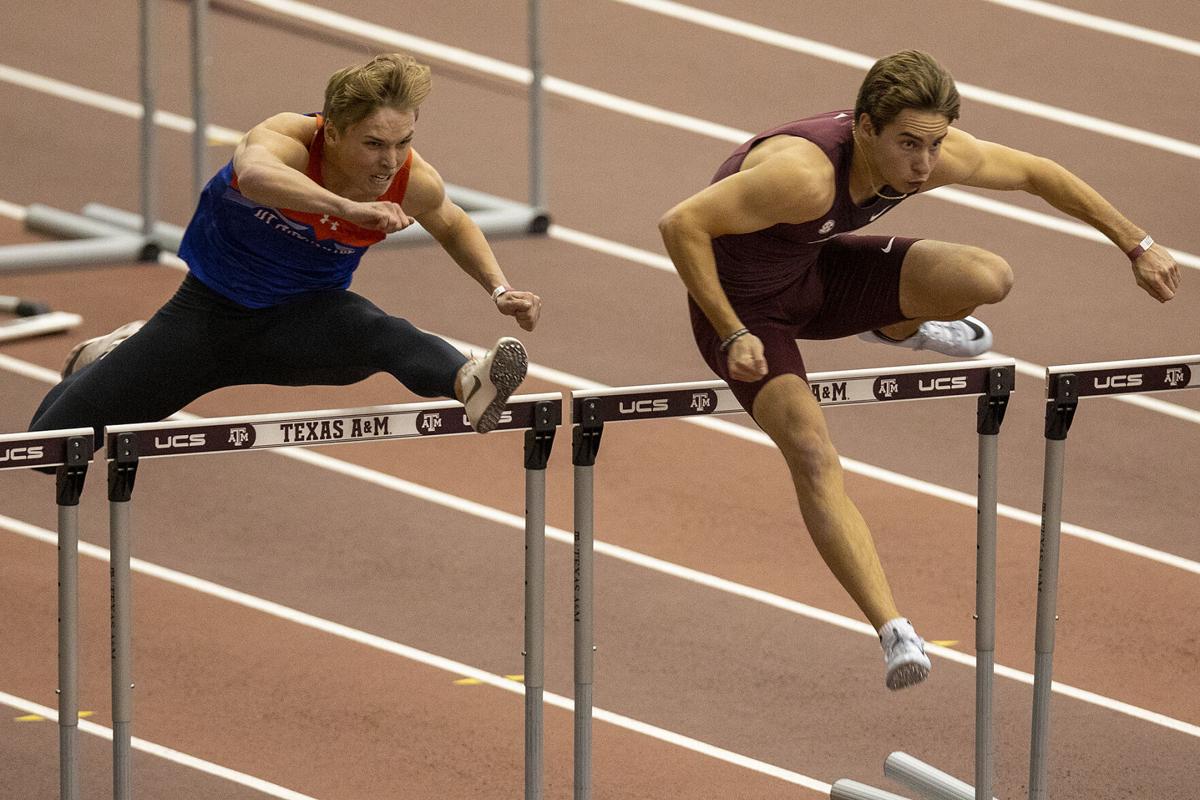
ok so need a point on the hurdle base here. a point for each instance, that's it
(845, 789)
(927, 781)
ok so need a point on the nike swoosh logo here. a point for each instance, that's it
(879, 214)
(888, 249)
(976, 328)
(470, 394)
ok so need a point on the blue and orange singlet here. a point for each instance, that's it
(260, 256)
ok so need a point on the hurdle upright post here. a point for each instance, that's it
(585, 441)
(1060, 411)
(69, 486)
(538, 442)
(989, 417)
(122, 471)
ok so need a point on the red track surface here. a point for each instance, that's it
(334, 719)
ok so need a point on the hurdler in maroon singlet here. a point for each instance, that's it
(808, 280)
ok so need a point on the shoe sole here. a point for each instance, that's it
(509, 364)
(907, 675)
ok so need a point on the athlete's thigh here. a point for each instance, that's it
(326, 337)
(940, 277)
(858, 279)
(779, 349)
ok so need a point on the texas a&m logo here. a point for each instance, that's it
(888, 388)
(1174, 377)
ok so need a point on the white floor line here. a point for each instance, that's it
(566, 538)
(1103, 24)
(860, 61)
(755, 436)
(166, 753)
(413, 654)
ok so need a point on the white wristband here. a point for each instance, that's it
(1142, 246)
(499, 290)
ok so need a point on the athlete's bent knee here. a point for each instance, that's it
(993, 277)
(809, 455)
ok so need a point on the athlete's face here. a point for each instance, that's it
(369, 153)
(906, 150)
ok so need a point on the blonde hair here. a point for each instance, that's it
(910, 79)
(390, 80)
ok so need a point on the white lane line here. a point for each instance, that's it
(107, 102)
(566, 538)
(456, 668)
(849, 58)
(561, 378)
(566, 379)
(1103, 24)
(166, 753)
(619, 105)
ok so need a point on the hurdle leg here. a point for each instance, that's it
(989, 418)
(1060, 411)
(69, 486)
(121, 473)
(585, 443)
(538, 442)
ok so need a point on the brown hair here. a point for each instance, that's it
(392, 79)
(910, 79)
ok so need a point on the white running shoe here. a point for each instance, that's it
(91, 350)
(489, 382)
(904, 653)
(962, 337)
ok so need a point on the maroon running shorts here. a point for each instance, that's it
(853, 287)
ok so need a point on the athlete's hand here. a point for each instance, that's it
(379, 215)
(526, 307)
(746, 360)
(1156, 272)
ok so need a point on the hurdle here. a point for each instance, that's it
(70, 451)
(991, 381)
(128, 445)
(112, 236)
(33, 319)
(1065, 387)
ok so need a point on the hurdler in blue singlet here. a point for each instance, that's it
(260, 256)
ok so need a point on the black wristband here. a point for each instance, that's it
(728, 341)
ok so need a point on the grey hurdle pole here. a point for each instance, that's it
(1060, 411)
(70, 478)
(585, 440)
(537, 174)
(149, 154)
(989, 418)
(122, 470)
(538, 442)
(199, 16)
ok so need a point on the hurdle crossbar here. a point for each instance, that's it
(989, 380)
(127, 445)
(71, 452)
(1065, 386)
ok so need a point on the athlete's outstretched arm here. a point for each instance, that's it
(973, 162)
(461, 238)
(792, 186)
(270, 163)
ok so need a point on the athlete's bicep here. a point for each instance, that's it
(283, 138)
(995, 166)
(768, 194)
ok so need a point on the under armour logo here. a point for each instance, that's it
(827, 227)
(333, 226)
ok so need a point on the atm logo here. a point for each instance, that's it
(1175, 377)
(33, 453)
